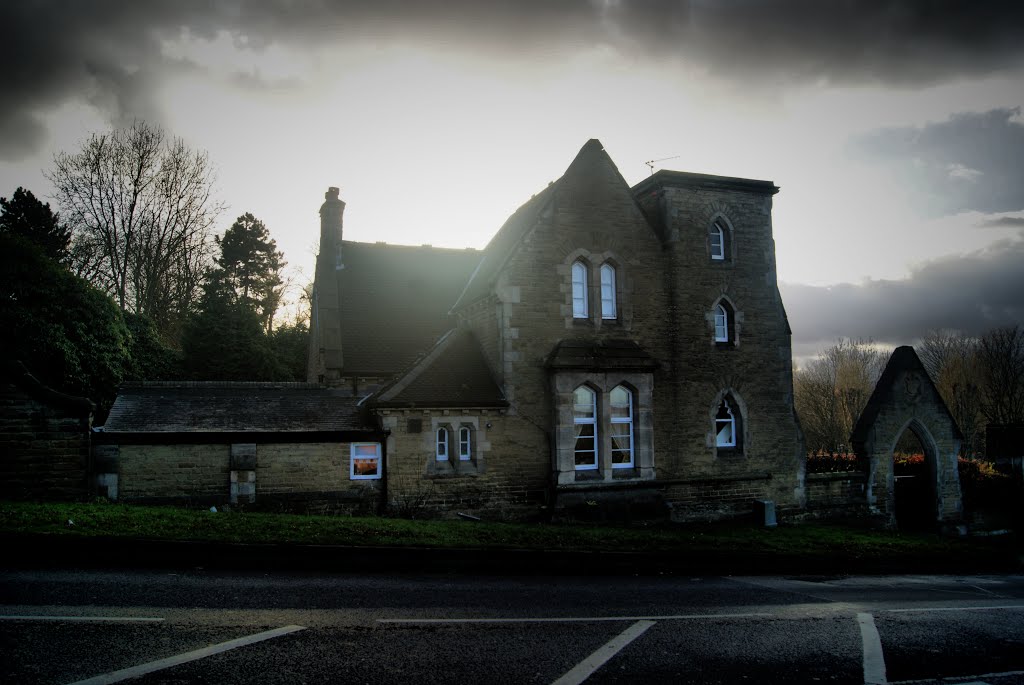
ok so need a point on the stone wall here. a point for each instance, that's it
(506, 477)
(754, 367)
(832, 495)
(44, 441)
(295, 476)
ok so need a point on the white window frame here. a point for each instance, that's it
(719, 231)
(721, 323)
(441, 443)
(353, 448)
(608, 308)
(585, 421)
(626, 421)
(465, 443)
(731, 422)
(580, 304)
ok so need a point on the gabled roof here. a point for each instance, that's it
(222, 407)
(395, 301)
(903, 360)
(502, 245)
(623, 355)
(452, 374)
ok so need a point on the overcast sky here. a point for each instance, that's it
(893, 128)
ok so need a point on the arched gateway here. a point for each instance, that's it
(906, 399)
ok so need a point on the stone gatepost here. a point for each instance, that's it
(243, 473)
(105, 470)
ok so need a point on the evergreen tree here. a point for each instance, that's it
(225, 339)
(70, 335)
(251, 266)
(25, 216)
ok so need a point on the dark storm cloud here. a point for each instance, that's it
(1004, 222)
(972, 161)
(971, 293)
(108, 52)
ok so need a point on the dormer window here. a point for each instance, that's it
(580, 307)
(608, 308)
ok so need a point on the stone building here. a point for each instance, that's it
(612, 351)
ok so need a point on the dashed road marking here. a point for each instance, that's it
(573, 619)
(874, 660)
(195, 655)
(111, 619)
(1005, 674)
(978, 608)
(586, 668)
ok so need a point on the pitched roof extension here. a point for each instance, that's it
(454, 373)
(216, 407)
(395, 302)
(624, 355)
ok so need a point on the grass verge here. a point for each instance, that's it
(810, 541)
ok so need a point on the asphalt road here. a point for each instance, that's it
(218, 627)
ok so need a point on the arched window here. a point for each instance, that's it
(727, 424)
(465, 443)
(608, 309)
(723, 323)
(620, 401)
(584, 418)
(718, 237)
(442, 444)
(580, 309)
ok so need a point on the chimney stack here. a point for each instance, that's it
(331, 212)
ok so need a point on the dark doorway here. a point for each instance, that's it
(914, 475)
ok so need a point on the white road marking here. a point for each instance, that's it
(904, 611)
(874, 661)
(586, 668)
(119, 619)
(573, 619)
(143, 669)
(1006, 674)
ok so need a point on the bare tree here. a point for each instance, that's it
(953, 361)
(1001, 351)
(831, 391)
(141, 208)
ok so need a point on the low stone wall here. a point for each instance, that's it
(303, 477)
(44, 440)
(716, 498)
(834, 495)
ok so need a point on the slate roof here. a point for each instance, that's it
(452, 374)
(395, 302)
(221, 407)
(601, 354)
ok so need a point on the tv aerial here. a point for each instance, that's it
(650, 163)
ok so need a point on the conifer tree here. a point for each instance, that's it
(25, 216)
(250, 267)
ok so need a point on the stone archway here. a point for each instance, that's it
(906, 399)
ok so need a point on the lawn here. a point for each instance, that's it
(820, 544)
